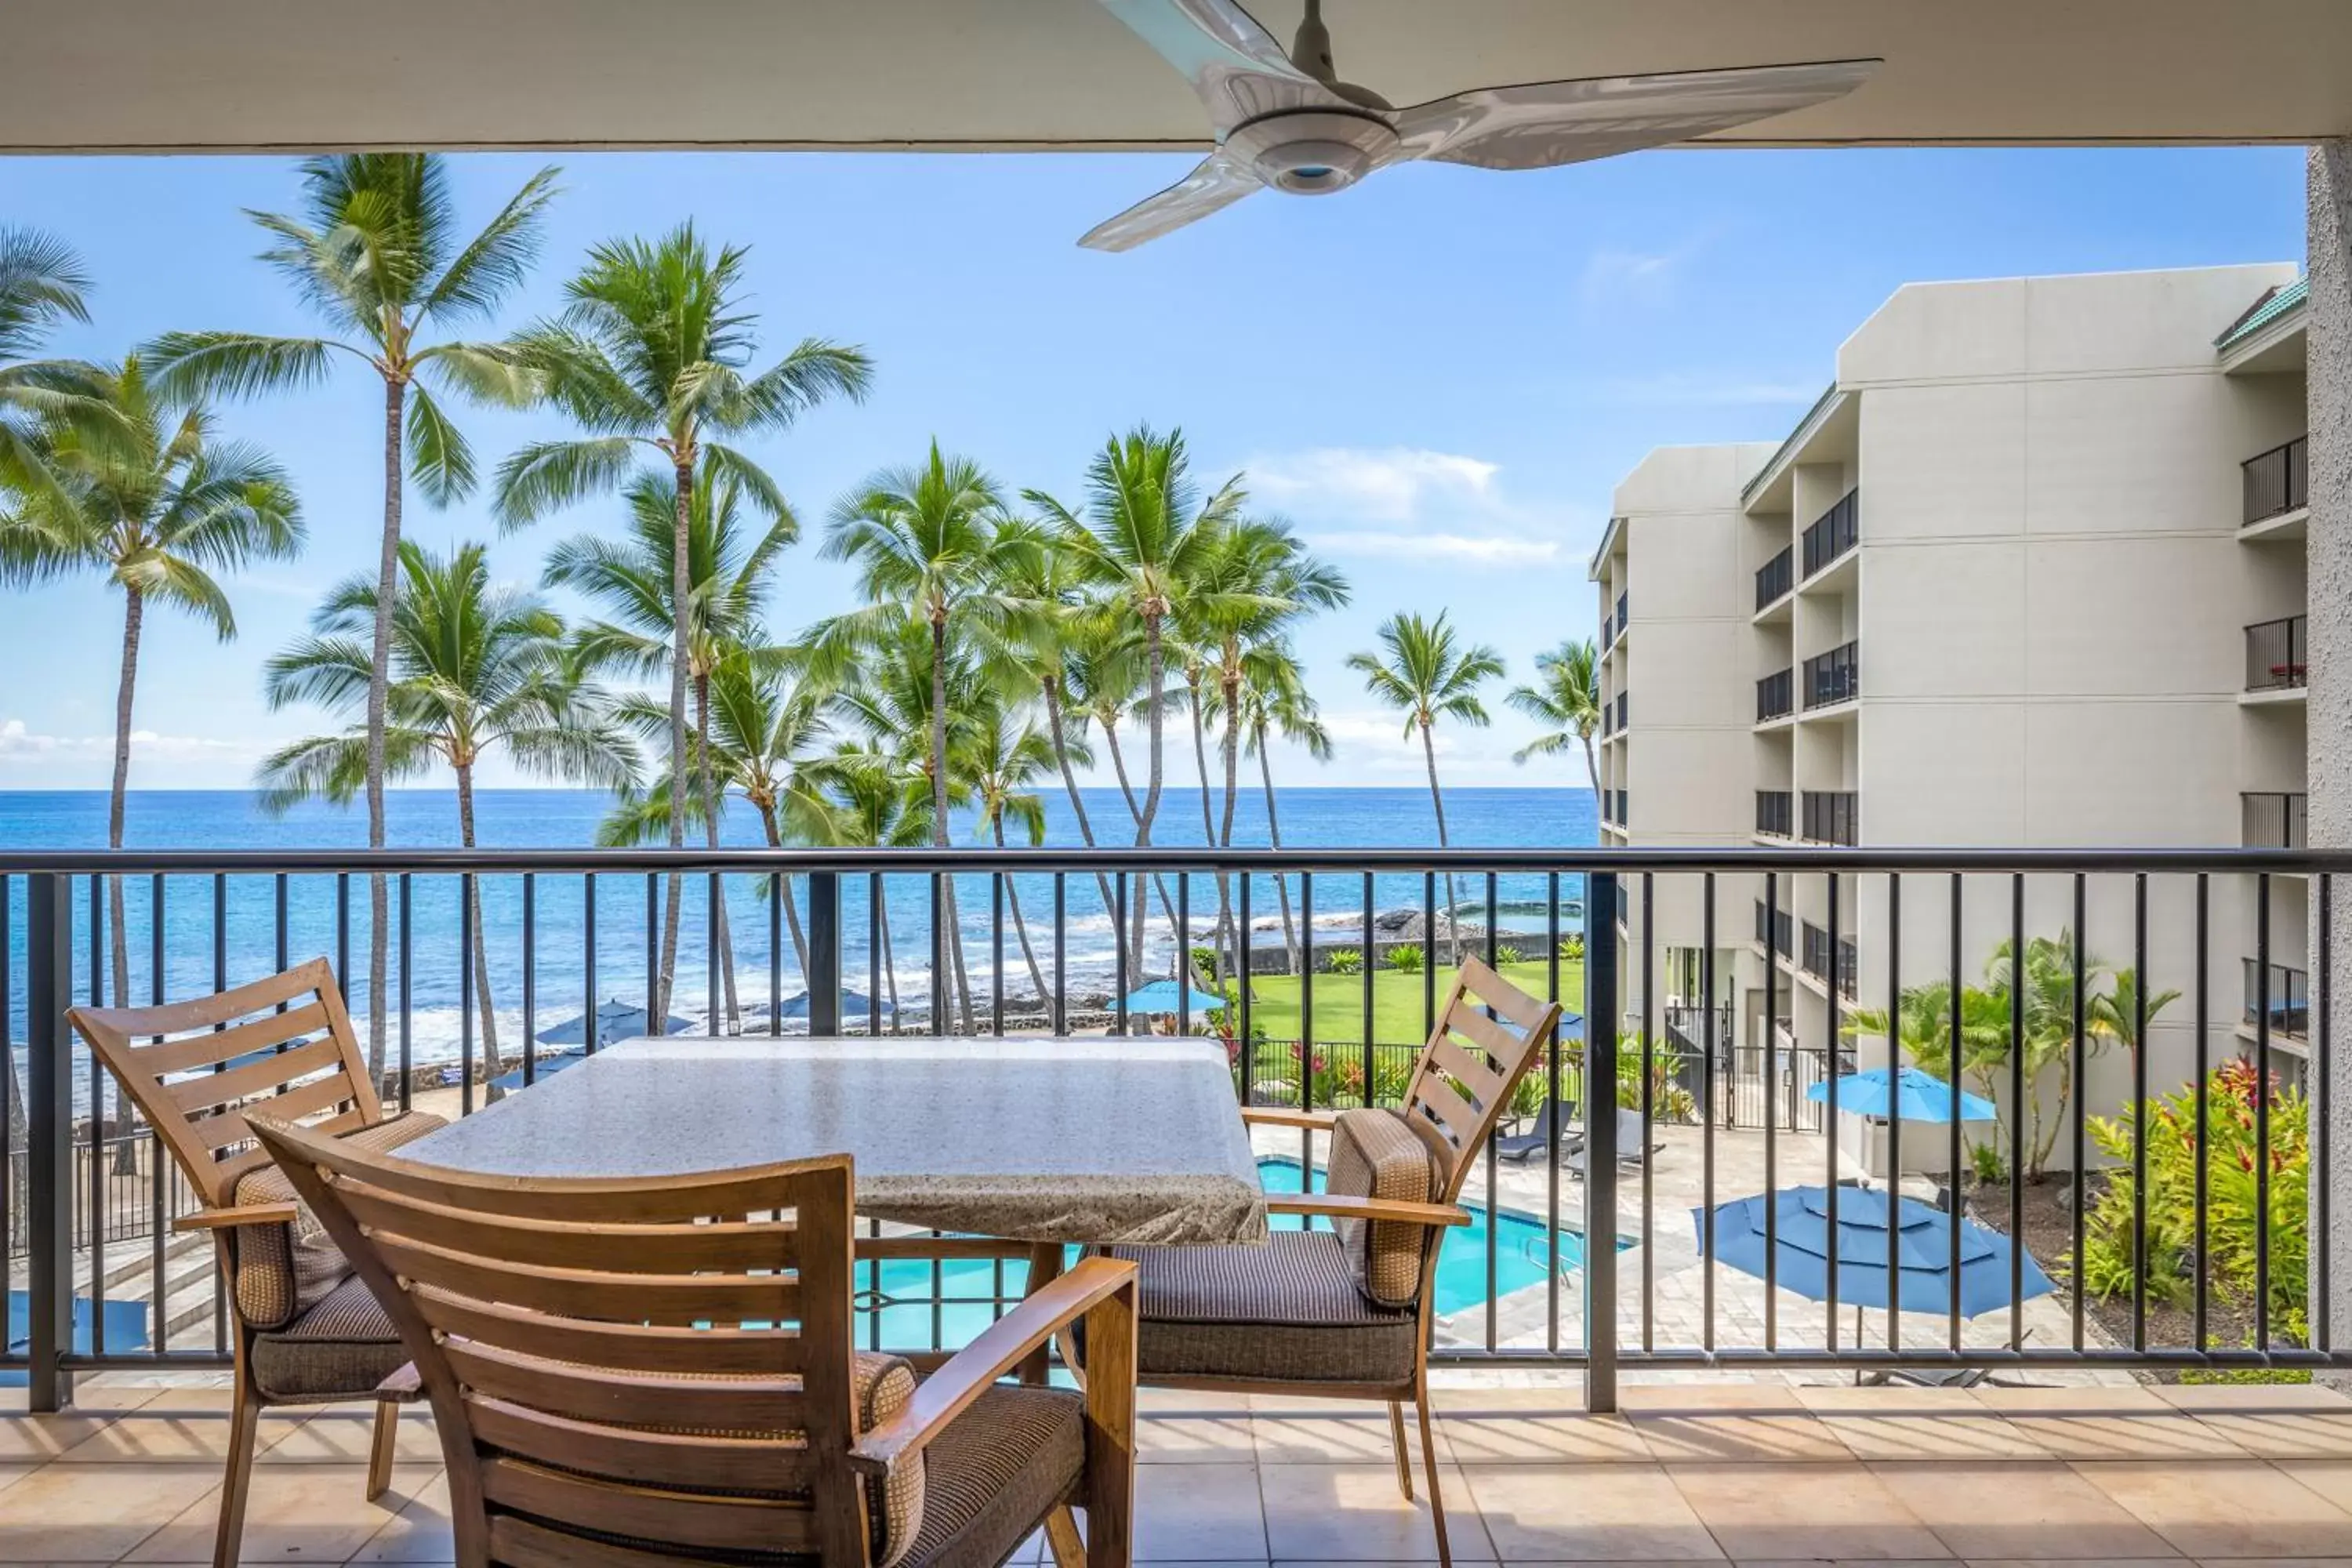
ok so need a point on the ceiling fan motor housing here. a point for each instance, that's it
(1312, 152)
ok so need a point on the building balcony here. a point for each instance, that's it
(1775, 931)
(2277, 655)
(1819, 954)
(2273, 820)
(1832, 816)
(1834, 677)
(1776, 579)
(1775, 816)
(1776, 696)
(2288, 999)
(1834, 534)
(2277, 482)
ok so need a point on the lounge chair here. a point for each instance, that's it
(635, 1373)
(1521, 1147)
(1634, 1145)
(305, 1330)
(1346, 1312)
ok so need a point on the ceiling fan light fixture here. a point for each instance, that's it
(1312, 153)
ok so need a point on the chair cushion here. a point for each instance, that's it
(282, 1270)
(340, 1349)
(1289, 1312)
(994, 1474)
(1376, 1153)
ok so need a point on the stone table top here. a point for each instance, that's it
(1102, 1140)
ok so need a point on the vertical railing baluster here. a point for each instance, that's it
(996, 953)
(2139, 1114)
(2202, 1113)
(282, 950)
(2017, 1091)
(2262, 1109)
(877, 917)
(158, 1204)
(1601, 1143)
(942, 976)
(49, 954)
(1895, 1070)
(1707, 1111)
(530, 980)
(776, 952)
(1429, 952)
(1118, 951)
(1181, 964)
(593, 1012)
(1307, 1027)
(1953, 1055)
(408, 994)
(1647, 1047)
(1772, 1112)
(824, 978)
(7, 1077)
(1061, 1025)
(343, 928)
(1494, 1180)
(98, 1205)
(1551, 1117)
(466, 994)
(2080, 1048)
(220, 982)
(1247, 1044)
(1830, 1075)
(2323, 1317)
(657, 1004)
(1371, 967)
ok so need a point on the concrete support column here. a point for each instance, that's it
(2330, 759)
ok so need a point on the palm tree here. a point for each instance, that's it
(1428, 676)
(649, 355)
(474, 668)
(921, 538)
(159, 517)
(1006, 755)
(41, 284)
(375, 251)
(876, 805)
(1566, 696)
(1102, 669)
(1273, 699)
(728, 568)
(1143, 538)
(2115, 1013)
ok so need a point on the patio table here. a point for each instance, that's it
(1105, 1141)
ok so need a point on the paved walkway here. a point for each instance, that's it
(1748, 1472)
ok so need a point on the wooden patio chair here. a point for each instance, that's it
(632, 1374)
(1346, 1312)
(304, 1330)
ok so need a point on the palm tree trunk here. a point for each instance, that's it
(1233, 940)
(1155, 657)
(1592, 768)
(1053, 689)
(792, 910)
(135, 610)
(950, 932)
(1274, 836)
(889, 970)
(1208, 835)
(724, 955)
(1020, 926)
(682, 594)
(1437, 800)
(491, 1066)
(387, 593)
(1167, 905)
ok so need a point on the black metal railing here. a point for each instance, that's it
(2286, 998)
(1608, 719)
(2278, 481)
(1834, 677)
(1834, 532)
(1620, 613)
(1776, 696)
(1773, 812)
(2277, 654)
(1623, 709)
(1608, 633)
(2273, 820)
(1777, 577)
(107, 1288)
(1832, 816)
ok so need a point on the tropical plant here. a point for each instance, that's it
(730, 561)
(1003, 757)
(42, 285)
(1506, 953)
(1275, 700)
(160, 507)
(2115, 1013)
(1405, 957)
(375, 251)
(1423, 671)
(1143, 540)
(1565, 695)
(1032, 573)
(648, 356)
(879, 804)
(476, 668)
(1571, 947)
(1347, 961)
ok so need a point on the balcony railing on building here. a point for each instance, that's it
(1814, 960)
(1608, 720)
(1834, 677)
(1832, 816)
(2278, 481)
(2277, 654)
(1620, 613)
(1776, 577)
(1776, 929)
(2288, 999)
(1623, 709)
(1774, 814)
(1834, 532)
(1776, 696)
(1608, 633)
(2274, 819)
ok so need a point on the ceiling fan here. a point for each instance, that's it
(1287, 122)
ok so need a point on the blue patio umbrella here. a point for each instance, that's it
(1921, 1095)
(1163, 997)
(615, 1020)
(544, 1065)
(854, 1005)
(1923, 1280)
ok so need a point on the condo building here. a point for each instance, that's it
(2031, 572)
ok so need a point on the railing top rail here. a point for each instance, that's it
(862, 861)
(2284, 446)
(2277, 621)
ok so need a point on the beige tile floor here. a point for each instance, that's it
(1746, 1473)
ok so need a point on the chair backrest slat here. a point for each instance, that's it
(164, 1058)
(652, 1360)
(1489, 1033)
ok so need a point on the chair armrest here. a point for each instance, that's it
(246, 1214)
(405, 1385)
(1344, 1208)
(1275, 1116)
(1001, 1346)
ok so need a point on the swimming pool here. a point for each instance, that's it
(1521, 1253)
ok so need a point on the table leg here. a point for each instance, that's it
(1045, 1267)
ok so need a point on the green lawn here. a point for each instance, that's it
(1398, 1009)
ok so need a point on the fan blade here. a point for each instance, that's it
(1541, 124)
(1217, 181)
(1234, 65)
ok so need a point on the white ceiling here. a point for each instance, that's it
(164, 75)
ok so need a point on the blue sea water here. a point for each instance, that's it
(248, 944)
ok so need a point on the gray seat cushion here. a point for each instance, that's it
(995, 1472)
(1289, 1312)
(340, 1349)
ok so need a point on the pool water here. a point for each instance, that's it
(1521, 1255)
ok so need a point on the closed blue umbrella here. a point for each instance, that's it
(854, 1005)
(615, 1020)
(1923, 1280)
(1920, 1095)
(1167, 997)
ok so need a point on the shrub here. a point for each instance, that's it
(1204, 961)
(1405, 957)
(1507, 954)
(1572, 948)
(1347, 961)
(1392, 1072)
(1986, 1160)
(2232, 1198)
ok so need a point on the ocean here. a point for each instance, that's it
(1501, 818)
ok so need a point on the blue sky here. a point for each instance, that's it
(1438, 377)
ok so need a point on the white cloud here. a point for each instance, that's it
(1614, 277)
(19, 744)
(1482, 550)
(1412, 503)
